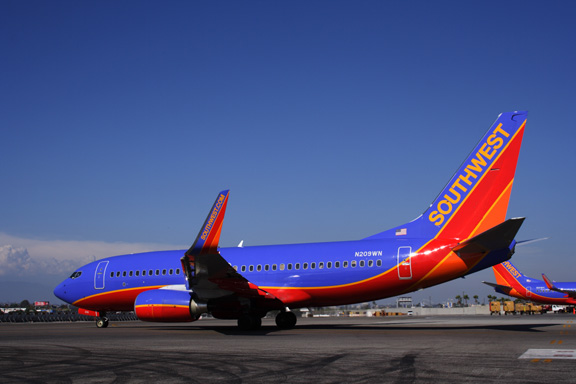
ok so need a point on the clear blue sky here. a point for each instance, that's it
(328, 120)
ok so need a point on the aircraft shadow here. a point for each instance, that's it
(271, 329)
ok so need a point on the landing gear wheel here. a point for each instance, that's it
(102, 322)
(286, 320)
(249, 323)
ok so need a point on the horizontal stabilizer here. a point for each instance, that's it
(500, 288)
(551, 286)
(526, 242)
(498, 237)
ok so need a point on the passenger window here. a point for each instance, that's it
(273, 267)
(344, 264)
(297, 266)
(370, 263)
(111, 274)
(143, 272)
(289, 266)
(312, 265)
(320, 265)
(163, 272)
(329, 265)
(137, 273)
(157, 272)
(251, 268)
(130, 274)
(235, 268)
(259, 267)
(118, 274)
(177, 271)
(337, 264)
(305, 266)
(281, 267)
(124, 273)
(361, 263)
(267, 267)
(243, 268)
(379, 263)
(150, 272)
(171, 271)
(353, 263)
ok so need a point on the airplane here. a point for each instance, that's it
(463, 231)
(510, 281)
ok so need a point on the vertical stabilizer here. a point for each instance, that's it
(476, 198)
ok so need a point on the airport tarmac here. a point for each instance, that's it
(442, 349)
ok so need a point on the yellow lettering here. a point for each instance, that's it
(436, 216)
(457, 184)
(468, 174)
(485, 151)
(213, 216)
(495, 141)
(478, 162)
(449, 198)
(445, 211)
(499, 129)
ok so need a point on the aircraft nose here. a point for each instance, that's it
(60, 291)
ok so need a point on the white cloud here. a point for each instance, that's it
(14, 261)
(21, 256)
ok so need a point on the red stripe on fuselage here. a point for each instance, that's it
(120, 300)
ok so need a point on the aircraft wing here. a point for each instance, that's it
(208, 274)
(500, 288)
(550, 284)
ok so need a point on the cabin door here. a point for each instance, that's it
(99, 275)
(404, 263)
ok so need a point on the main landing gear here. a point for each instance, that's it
(102, 321)
(286, 320)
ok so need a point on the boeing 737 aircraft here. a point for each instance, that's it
(463, 231)
(510, 281)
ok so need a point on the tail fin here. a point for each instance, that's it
(507, 274)
(476, 198)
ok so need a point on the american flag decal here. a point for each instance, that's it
(401, 232)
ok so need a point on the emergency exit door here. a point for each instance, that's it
(404, 263)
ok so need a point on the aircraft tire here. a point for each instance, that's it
(102, 322)
(286, 320)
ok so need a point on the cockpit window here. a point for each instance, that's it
(75, 275)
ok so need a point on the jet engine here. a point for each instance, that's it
(167, 305)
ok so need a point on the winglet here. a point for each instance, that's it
(549, 283)
(209, 236)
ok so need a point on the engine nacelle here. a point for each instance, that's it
(167, 305)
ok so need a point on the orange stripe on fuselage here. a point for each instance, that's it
(119, 300)
(433, 262)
